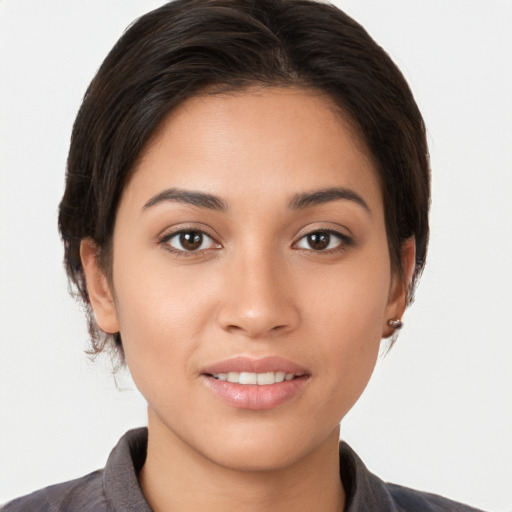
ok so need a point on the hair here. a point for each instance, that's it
(187, 47)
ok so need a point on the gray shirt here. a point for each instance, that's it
(116, 489)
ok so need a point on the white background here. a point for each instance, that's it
(438, 413)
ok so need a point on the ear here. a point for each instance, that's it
(98, 288)
(399, 289)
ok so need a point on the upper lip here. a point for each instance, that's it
(255, 365)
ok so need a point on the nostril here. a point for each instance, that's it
(255, 331)
(233, 327)
(256, 317)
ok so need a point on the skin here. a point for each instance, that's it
(256, 288)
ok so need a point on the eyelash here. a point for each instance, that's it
(344, 242)
(165, 241)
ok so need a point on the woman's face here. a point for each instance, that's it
(250, 246)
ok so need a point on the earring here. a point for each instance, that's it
(396, 323)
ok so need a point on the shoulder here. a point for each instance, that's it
(366, 491)
(114, 488)
(84, 494)
(409, 500)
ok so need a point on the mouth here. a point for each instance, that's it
(260, 379)
(256, 384)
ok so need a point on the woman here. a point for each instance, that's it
(245, 217)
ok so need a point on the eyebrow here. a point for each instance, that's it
(298, 202)
(326, 195)
(200, 199)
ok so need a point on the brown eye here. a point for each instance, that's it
(190, 241)
(319, 240)
(322, 240)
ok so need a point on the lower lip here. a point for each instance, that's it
(254, 397)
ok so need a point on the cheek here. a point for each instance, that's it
(162, 312)
(345, 314)
(167, 315)
(349, 300)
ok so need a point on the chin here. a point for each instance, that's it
(266, 449)
(255, 457)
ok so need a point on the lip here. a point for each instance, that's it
(252, 396)
(255, 365)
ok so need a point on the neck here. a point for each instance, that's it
(176, 477)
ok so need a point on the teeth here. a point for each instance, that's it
(248, 378)
(264, 379)
(280, 376)
(261, 379)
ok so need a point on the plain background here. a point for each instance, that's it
(437, 414)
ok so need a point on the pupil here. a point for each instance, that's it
(191, 240)
(319, 241)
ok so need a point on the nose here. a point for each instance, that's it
(258, 298)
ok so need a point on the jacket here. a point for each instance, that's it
(116, 489)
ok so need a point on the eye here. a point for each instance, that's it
(322, 240)
(190, 241)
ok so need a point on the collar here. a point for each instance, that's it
(364, 491)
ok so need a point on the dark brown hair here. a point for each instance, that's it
(187, 46)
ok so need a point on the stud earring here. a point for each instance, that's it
(396, 323)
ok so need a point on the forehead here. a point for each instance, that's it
(265, 141)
